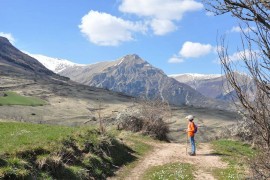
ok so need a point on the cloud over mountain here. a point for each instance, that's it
(195, 50)
(152, 16)
(161, 12)
(191, 50)
(98, 28)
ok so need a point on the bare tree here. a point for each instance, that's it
(256, 62)
(149, 118)
(98, 110)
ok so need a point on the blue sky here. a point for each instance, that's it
(177, 36)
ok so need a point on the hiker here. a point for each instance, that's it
(191, 130)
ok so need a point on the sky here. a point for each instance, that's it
(177, 36)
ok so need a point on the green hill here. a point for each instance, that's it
(30, 151)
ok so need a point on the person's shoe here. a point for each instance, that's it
(192, 154)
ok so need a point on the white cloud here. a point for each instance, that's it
(165, 11)
(239, 56)
(192, 50)
(175, 59)
(238, 29)
(106, 30)
(160, 9)
(8, 36)
(161, 27)
(195, 50)
(245, 54)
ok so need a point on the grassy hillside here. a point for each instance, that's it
(16, 137)
(236, 154)
(30, 151)
(12, 98)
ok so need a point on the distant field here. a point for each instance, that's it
(12, 98)
(19, 136)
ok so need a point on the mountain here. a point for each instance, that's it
(54, 64)
(67, 102)
(193, 77)
(16, 63)
(136, 77)
(215, 85)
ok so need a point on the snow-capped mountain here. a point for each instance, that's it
(54, 64)
(214, 85)
(187, 77)
(136, 77)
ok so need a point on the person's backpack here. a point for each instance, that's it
(195, 128)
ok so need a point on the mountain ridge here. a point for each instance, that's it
(134, 76)
(15, 62)
(214, 86)
(54, 64)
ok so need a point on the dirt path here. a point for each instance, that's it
(171, 152)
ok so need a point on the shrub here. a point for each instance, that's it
(148, 119)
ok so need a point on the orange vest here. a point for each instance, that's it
(191, 128)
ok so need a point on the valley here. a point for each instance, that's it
(115, 89)
(135, 90)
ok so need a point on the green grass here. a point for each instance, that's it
(12, 98)
(170, 172)
(20, 136)
(236, 154)
(56, 152)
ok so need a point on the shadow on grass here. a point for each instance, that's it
(121, 154)
(213, 154)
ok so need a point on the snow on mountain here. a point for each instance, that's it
(186, 77)
(54, 64)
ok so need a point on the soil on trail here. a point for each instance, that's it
(165, 153)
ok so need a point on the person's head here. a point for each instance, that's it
(190, 117)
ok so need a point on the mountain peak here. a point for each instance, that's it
(4, 41)
(132, 59)
(132, 56)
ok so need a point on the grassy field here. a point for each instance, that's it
(12, 98)
(21, 136)
(30, 151)
(236, 154)
(170, 172)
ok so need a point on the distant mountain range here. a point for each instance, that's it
(136, 77)
(215, 85)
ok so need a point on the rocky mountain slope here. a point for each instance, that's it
(214, 86)
(67, 102)
(15, 63)
(193, 77)
(136, 77)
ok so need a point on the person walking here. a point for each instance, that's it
(191, 130)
